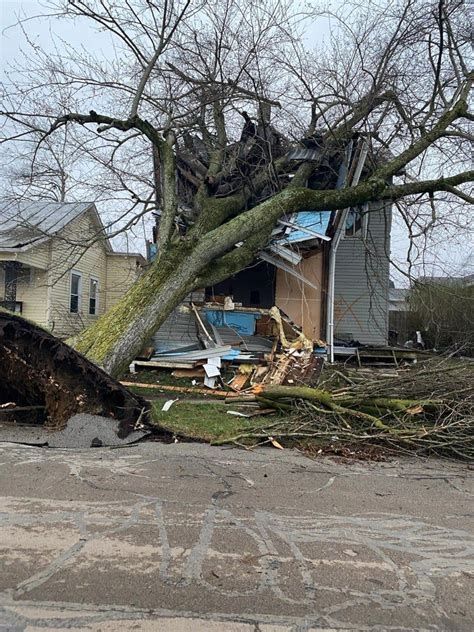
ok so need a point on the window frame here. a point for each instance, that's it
(354, 229)
(358, 229)
(95, 298)
(79, 292)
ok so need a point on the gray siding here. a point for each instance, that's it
(362, 281)
(180, 328)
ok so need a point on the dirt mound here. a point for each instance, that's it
(39, 370)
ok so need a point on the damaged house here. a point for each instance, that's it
(57, 267)
(327, 272)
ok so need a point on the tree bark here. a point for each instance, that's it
(118, 336)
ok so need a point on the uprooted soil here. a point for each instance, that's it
(37, 369)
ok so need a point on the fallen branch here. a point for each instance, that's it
(427, 409)
(184, 389)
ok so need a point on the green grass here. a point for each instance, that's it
(204, 421)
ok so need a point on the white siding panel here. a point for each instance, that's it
(122, 272)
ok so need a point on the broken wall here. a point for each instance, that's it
(300, 301)
(253, 287)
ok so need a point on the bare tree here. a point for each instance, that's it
(222, 92)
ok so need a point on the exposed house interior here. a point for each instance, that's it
(301, 270)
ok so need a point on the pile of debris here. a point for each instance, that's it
(423, 409)
(259, 346)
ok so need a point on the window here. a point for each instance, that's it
(93, 296)
(357, 222)
(353, 222)
(75, 300)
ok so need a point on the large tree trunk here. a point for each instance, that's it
(118, 336)
(204, 257)
(186, 264)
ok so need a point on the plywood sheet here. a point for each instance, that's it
(301, 302)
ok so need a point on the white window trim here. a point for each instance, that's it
(93, 278)
(365, 221)
(79, 289)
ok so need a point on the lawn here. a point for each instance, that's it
(205, 421)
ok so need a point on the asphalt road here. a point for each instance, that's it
(189, 537)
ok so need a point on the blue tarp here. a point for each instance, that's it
(233, 353)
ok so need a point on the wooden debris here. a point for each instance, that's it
(259, 374)
(239, 381)
(277, 373)
(275, 443)
(243, 397)
(202, 326)
(183, 389)
(262, 411)
(304, 369)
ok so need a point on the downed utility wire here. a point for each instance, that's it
(427, 409)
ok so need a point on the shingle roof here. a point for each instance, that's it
(22, 224)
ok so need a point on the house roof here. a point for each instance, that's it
(466, 280)
(24, 224)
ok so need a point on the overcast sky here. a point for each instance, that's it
(455, 257)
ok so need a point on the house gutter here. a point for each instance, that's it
(338, 236)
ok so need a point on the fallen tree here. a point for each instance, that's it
(427, 409)
(38, 371)
(178, 91)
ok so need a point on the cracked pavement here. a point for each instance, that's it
(193, 537)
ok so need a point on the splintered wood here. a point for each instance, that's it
(239, 382)
(294, 367)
